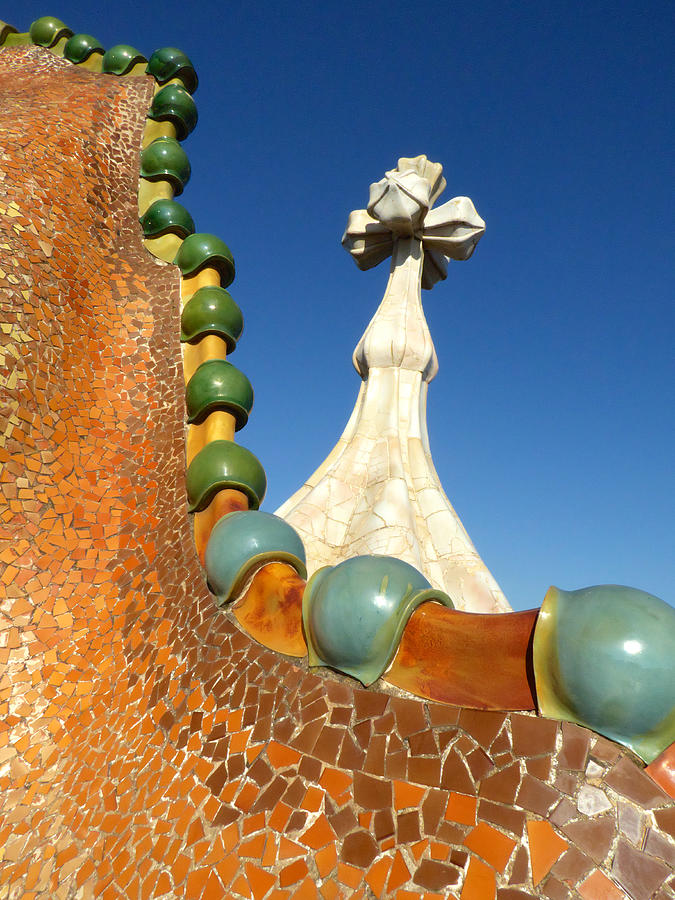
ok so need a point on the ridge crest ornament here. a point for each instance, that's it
(377, 492)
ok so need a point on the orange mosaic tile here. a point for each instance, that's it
(545, 848)
(377, 875)
(148, 746)
(407, 795)
(461, 808)
(480, 882)
(399, 872)
(493, 846)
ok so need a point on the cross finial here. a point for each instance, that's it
(400, 206)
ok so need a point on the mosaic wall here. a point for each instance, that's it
(149, 747)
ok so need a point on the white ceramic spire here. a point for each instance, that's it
(378, 492)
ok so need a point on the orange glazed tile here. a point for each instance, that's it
(253, 847)
(313, 799)
(479, 883)
(349, 875)
(438, 850)
(270, 854)
(252, 753)
(377, 875)
(196, 883)
(388, 843)
(241, 886)
(407, 795)
(418, 849)
(213, 889)
(280, 816)
(261, 882)
(253, 823)
(234, 720)
(326, 860)
(180, 868)
(335, 782)
(364, 819)
(228, 792)
(288, 849)
(319, 834)
(461, 808)
(545, 848)
(662, 770)
(329, 890)
(216, 852)
(247, 797)
(230, 837)
(293, 873)
(228, 868)
(281, 756)
(239, 741)
(306, 891)
(399, 873)
(495, 848)
(195, 832)
(598, 887)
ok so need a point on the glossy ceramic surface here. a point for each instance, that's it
(242, 540)
(270, 608)
(662, 770)
(80, 47)
(211, 310)
(168, 63)
(603, 657)
(167, 216)
(165, 158)
(120, 59)
(481, 660)
(174, 104)
(47, 30)
(224, 464)
(218, 384)
(354, 613)
(199, 250)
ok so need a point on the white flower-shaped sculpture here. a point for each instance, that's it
(378, 492)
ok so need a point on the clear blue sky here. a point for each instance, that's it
(552, 420)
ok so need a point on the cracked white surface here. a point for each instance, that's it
(377, 492)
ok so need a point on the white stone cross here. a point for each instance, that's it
(377, 492)
(399, 223)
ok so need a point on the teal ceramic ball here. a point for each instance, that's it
(604, 657)
(244, 539)
(354, 613)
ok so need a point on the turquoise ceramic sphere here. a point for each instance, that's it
(245, 539)
(604, 657)
(354, 613)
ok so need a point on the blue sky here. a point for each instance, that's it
(552, 418)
